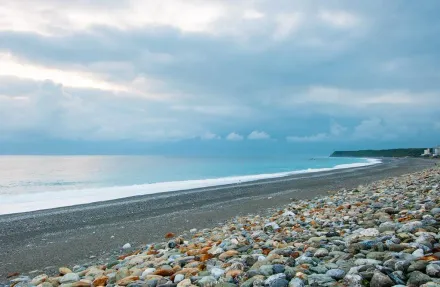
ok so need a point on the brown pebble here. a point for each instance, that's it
(13, 274)
(170, 235)
(100, 281)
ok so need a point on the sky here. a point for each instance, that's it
(135, 76)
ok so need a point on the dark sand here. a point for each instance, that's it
(68, 236)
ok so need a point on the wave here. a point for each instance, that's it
(18, 203)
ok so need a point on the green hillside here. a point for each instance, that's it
(400, 152)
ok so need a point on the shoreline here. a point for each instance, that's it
(69, 235)
(30, 202)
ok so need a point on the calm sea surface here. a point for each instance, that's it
(51, 181)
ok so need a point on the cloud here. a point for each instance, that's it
(14, 67)
(218, 66)
(375, 129)
(252, 14)
(257, 135)
(336, 131)
(286, 24)
(210, 136)
(234, 137)
(54, 18)
(305, 139)
(340, 19)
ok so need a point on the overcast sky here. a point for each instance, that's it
(336, 73)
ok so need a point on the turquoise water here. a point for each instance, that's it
(50, 181)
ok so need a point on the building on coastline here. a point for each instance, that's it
(431, 152)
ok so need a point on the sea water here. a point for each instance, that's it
(29, 183)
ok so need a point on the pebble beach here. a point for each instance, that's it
(382, 234)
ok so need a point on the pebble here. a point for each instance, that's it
(277, 280)
(382, 234)
(433, 270)
(69, 278)
(336, 274)
(381, 280)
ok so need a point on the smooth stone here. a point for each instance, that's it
(296, 282)
(417, 266)
(417, 278)
(178, 278)
(376, 255)
(207, 281)
(353, 280)
(147, 272)
(184, 283)
(387, 226)
(64, 270)
(69, 278)
(433, 270)
(217, 272)
(381, 280)
(435, 211)
(266, 270)
(122, 273)
(411, 226)
(336, 274)
(321, 252)
(398, 277)
(367, 262)
(320, 280)
(320, 269)
(277, 280)
(418, 253)
(39, 279)
(126, 246)
(278, 268)
(250, 281)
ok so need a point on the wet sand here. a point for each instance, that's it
(71, 235)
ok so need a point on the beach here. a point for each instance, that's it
(42, 240)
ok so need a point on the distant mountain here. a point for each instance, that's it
(399, 152)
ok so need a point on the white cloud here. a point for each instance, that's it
(336, 129)
(210, 136)
(322, 95)
(375, 129)
(140, 86)
(234, 137)
(252, 14)
(257, 135)
(339, 18)
(313, 138)
(54, 17)
(286, 24)
(11, 66)
(55, 111)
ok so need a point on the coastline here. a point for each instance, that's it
(65, 236)
(28, 202)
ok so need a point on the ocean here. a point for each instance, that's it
(29, 183)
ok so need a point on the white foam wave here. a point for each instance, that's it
(37, 201)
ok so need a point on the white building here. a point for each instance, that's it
(437, 151)
(426, 152)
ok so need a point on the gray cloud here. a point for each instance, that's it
(255, 65)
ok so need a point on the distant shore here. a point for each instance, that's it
(65, 236)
